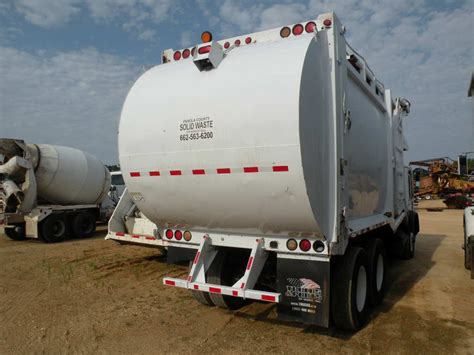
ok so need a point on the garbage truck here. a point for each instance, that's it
(48, 192)
(273, 163)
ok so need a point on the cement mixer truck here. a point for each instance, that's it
(273, 162)
(49, 192)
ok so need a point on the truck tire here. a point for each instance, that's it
(16, 233)
(349, 291)
(83, 225)
(201, 297)
(219, 274)
(377, 270)
(467, 252)
(408, 240)
(53, 228)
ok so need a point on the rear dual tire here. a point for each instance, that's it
(350, 290)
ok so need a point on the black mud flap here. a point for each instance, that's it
(179, 255)
(304, 287)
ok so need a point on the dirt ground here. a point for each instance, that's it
(93, 295)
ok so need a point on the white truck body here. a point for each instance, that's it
(38, 180)
(246, 146)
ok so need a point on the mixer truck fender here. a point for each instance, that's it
(273, 162)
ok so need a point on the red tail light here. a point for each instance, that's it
(226, 45)
(305, 244)
(248, 40)
(169, 234)
(178, 235)
(186, 53)
(298, 29)
(237, 42)
(205, 49)
(327, 22)
(177, 55)
(310, 27)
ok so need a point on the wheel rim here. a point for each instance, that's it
(361, 292)
(58, 229)
(412, 242)
(379, 273)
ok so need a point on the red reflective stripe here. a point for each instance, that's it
(249, 264)
(175, 172)
(205, 49)
(120, 234)
(150, 238)
(235, 293)
(135, 236)
(280, 168)
(134, 173)
(268, 298)
(196, 287)
(189, 278)
(215, 290)
(196, 258)
(199, 172)
(169, 282)
(251, 169)
(223, 171)
(243, 285)
(154, 173)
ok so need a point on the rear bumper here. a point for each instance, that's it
(224, 290)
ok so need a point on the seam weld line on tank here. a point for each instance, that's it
(246, 170)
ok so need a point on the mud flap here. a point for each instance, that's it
(304, 287)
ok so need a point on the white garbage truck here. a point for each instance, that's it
(273, 162)
(50, 192)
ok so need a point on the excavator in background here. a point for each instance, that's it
(441, 177)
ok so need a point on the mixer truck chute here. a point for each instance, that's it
(49, 192)
(272, 161)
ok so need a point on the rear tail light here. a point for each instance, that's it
(226, 45)
(297, 29)
(285, 32)
(310, 27)
(169, 234)
(178, 235)
(248, 40)
(237, 42)
(318, 246)
(305, 244)
(177, 55)
(327, 22)
(186, 53)
(187, 236)
(205, 49)
(193, 51)
(291, 244)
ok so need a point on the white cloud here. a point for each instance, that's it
(136, 16)
(67, 98)
(47, 13)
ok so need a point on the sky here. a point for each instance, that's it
(67, 65)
